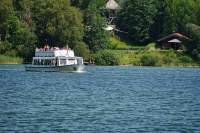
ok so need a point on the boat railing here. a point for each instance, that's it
(52, 49)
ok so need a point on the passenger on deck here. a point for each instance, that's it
(46, 47)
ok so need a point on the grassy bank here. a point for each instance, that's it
(120, 45)
(121, 53)
(167, 58)
(156, 58)
(10, 60)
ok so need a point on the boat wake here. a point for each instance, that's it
(80, 71)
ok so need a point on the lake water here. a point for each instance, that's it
(100, 100)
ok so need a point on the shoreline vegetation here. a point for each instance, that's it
(121, 53)
(101, 32)
(10, 60)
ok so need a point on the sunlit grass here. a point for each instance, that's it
(10, 60)
(166, 58)
(137, 55)
(120, 45)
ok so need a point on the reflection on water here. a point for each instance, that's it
(102, 99)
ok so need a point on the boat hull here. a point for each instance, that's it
(67, 68)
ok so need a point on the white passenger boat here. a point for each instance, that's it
(54, 59)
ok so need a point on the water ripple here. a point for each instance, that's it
(101, 99)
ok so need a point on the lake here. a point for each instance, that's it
(100, 100)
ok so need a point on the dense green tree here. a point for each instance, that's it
(185, 15)
(82, 50)
(6, 9)
(23, 10)
(172, 16)
(179, 12)
(15, 33)
(27, 23)
(95, 35)
(136, 18)
(162, 15)
(82, 4)
(21, 36)
(5, 46)
(194, 32)
(57, 22)
(197, 12)
(106, 57)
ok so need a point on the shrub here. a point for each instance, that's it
(117, 44)
(186, 59)
(106, 58)
(149, 60)
(82, 50)
(4, 47)
(169, 57)
(25, 52)
(194, 32)
(167, 60)
(11, 53)
(151, 47)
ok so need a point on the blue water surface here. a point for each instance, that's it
(100, 100)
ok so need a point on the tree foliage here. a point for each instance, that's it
(172, 16)
(136, 18)
(57, 23)
(82, 4)
(5, 10)
(15, 33)
(194, 32)
(82, 50)
(106, 57)
(95, 35)
(80, 24)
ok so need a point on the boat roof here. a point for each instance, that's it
(54, 52)
(51, 58)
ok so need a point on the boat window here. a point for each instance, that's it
(49, 62)
(62, 61)
(71, 61)
(36, 62)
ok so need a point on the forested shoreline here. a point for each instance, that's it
(80, 24)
